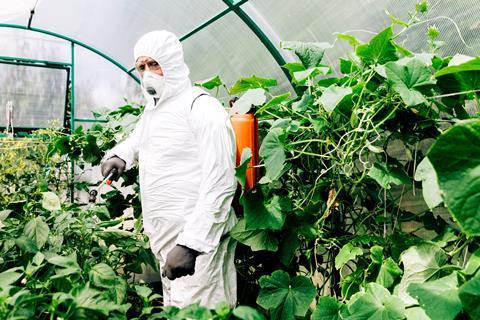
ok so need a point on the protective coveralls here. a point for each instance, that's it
(186, 158)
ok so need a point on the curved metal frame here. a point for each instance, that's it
(235, 6)
(71, 40)
(232, 6)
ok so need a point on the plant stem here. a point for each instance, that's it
(455, 94)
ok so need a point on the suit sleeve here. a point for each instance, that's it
(213, 215)
(127, 150)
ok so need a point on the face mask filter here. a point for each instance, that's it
(153, 84)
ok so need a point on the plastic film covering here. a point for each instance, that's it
(319, 20)
(100, 86)
(228, 48)
(33, 45)
(38, 96)
(113, 26)
(16, 10)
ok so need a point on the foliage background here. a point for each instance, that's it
(367, 207)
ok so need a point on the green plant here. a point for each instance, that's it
(60, 259)
(326, 234)
(338, 162)
(66, 260)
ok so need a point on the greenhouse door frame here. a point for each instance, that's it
(35, 63)
(52, 64)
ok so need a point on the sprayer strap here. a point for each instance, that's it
(203, 94)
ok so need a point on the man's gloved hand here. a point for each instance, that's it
(180, 262)
(113, 163)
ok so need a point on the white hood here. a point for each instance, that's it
(166, 49)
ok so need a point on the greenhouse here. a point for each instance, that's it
(240, 159)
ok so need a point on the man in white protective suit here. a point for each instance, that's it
(185, 147)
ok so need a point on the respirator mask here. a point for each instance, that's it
(153, 84)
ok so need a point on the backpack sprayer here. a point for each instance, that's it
(108, 180)
(245, 127)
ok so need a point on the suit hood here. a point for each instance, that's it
(164, 47)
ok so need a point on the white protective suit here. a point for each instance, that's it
(186, 160)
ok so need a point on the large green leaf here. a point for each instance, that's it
(332, 96)
(68, 265)
(275, 101)
(376, 303)
(386, 175)
(37, 231)
(456, 159)
(379, 50)
(319, 124)
(396, 20)
(247, 313)
(389, 272)
(289, 246)
(143, 291)
(285, 297)
(301, 77)
(50, 201)
(376, 254)
(256, 239)
(470, 296)
(210, 83)
(430, 189)
(4, 214)
(253, 97)
(35, 264)
(347, 66)
(328, 308)
(473, 263)
(419, 264)
(309, 53)
(349, 38)
(60, 145)
(119, 290)
(26, 244)
(260, 214)
(303, 104)
(416, 313)
(347, 253)
(294, 67)
(471, 65)
(439, 298)
(272, 152)
(117, 237)
(251, 83)
(91, 299)
(91, 151)
(9, 277)
(407, 78)
(194, 312)
(241, 170)
(102, 275)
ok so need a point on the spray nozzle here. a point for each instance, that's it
(108, 181)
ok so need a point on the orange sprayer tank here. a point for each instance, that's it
(246, 133)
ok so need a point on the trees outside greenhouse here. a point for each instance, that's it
(367, 204)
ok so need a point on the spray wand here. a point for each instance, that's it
(108, 180)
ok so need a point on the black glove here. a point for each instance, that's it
(113, 163)
(180, 262)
